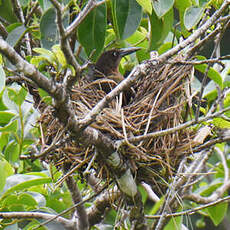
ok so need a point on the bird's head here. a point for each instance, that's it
(109, 61)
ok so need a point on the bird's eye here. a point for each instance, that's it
(115, 53)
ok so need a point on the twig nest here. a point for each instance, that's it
(159, 103)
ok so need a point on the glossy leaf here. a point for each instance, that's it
(167, 23)
(174, 223)
(139, 38)
(182, 5)
(126, 17)
(48, 28)
(5, 171)
(12, 152)
(146, 5)
(11, 127)
(212, 73)
(6, 11)
(165, 47)
(10, 200)
(59, 55)
(20, 182)
(45, 96)
(210, 188)
(46, 54)
(192, 16)
(39, 198)
(221, 123)
(159, 29)
(156, 31)
(91, 31)
(45, 4)
(17, 96)
(5, 117)
(26, 199)
(161, 7)
(217, 212)
(15, 35)
(2, 78)
(4, 139)
(157, 205)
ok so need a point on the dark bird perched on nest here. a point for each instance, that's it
(107, 67)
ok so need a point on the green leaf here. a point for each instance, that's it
(161, 7)
(59, 55)
(4, 139)
(210, 91)
(146, 5)
(2, 78)
(217, 212)
(209, 188)
(126, 17)
(157, 205)
(165, 47)
(10, 200)
(45, 96)
(192, 16)
(17, 96)
(174, 223)
(12, 152)
(27, 199)
(221, 123)
(167, 20)
(144, 195)
(45, 53)
(21, 182)
(48, 29)
(37, 60)
(11, 127)
(227, 100)
(39, 198)
(45, 4)
(212, 73)
(24, 199)
(159, 29)
(156, 31)
(15, 35)
(139, 39)
(182, 5)
(91, 31)
(13, 26)
(5, 117)
(6, 11)
(227, 81)
(5, 171)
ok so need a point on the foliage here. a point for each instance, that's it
(30, 184)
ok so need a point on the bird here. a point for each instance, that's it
(107, 68)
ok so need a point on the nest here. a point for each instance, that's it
(159, 103)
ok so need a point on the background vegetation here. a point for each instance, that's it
(47, 40)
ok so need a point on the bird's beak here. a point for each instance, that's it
(126, 51)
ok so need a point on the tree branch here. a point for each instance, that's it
(65, 46)
(65, 113)
(37, 215)
(82, 218)
(142, 69)
(101, 205)
(81, 16)
(172, 130)
(191, 211)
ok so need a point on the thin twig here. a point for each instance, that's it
(81, 16)
(191, 211)
(174, 129)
